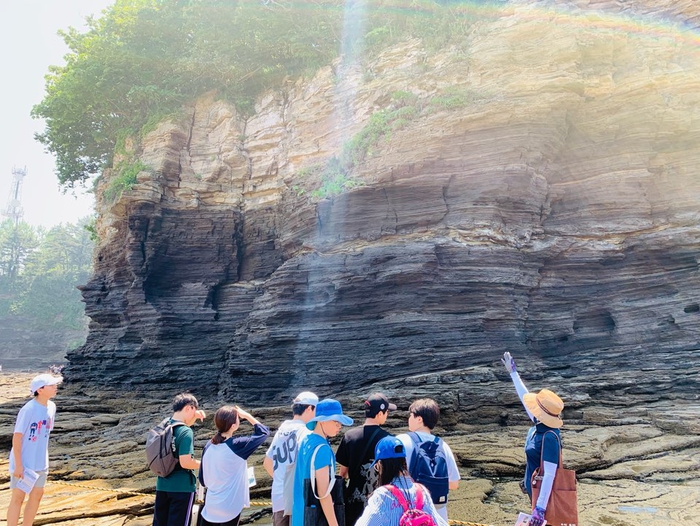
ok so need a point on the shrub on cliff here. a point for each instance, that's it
(145, 58)
(125, 180)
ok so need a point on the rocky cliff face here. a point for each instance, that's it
(535, 190)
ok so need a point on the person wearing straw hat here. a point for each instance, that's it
(326, 424)
(397, 490)
(544, 409)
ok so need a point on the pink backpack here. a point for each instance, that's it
(412, 516)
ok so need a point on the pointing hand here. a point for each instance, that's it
(509, 362)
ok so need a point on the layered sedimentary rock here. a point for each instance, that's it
(534, 189)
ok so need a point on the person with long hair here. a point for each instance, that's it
(543, 443)
(384, 508)
(224, 468)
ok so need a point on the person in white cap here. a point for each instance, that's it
(281, 454)
(29, 457)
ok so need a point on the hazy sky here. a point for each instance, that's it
(30, 44)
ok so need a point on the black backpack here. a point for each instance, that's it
(429, 467)
(160, 448)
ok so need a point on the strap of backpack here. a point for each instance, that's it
(417, 439)
(396, 492)
(364, 451)
(540, 474)
(542, 451)
(419, 496)
(331, 475)
(173, 425)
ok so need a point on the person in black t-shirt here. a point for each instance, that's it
(356, 453)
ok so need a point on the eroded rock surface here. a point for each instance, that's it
(637, 468)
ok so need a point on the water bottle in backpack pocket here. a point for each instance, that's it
(429, 467)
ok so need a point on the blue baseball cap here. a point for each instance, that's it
(388, 447)
(329, 409)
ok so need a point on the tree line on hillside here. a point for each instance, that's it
(143, 60)
(40, 270)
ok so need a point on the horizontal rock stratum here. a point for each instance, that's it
(534, 190)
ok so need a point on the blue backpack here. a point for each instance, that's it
(429, 467)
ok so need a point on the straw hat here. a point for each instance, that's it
(546, 407)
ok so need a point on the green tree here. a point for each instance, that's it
(17, 242)
(62, 261)
(145, 59)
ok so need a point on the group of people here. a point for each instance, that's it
(382, 476)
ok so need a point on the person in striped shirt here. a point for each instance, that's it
(383, 508)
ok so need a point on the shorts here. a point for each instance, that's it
(40, 482)
(280, 519)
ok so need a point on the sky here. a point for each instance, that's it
(30, 44)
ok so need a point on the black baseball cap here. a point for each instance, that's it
(376, 403)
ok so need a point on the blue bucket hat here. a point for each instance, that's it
(329, 409)
(388, 447)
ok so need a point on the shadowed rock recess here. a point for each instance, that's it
(534, 190)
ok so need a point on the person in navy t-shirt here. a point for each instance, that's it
(544, 409)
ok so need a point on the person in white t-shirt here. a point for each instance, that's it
(423, 417)
(282, 452)
(224, 467)
(29, 457)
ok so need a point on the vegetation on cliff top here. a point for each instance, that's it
(144, 59)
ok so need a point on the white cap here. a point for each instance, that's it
(306, 398)
(43, 380)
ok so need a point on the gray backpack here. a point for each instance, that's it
(160, 448)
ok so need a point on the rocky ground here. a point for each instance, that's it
(636, 468)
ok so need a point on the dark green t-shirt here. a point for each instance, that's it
(181, 480)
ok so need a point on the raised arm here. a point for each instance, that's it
(520, 388)
(245, 446)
